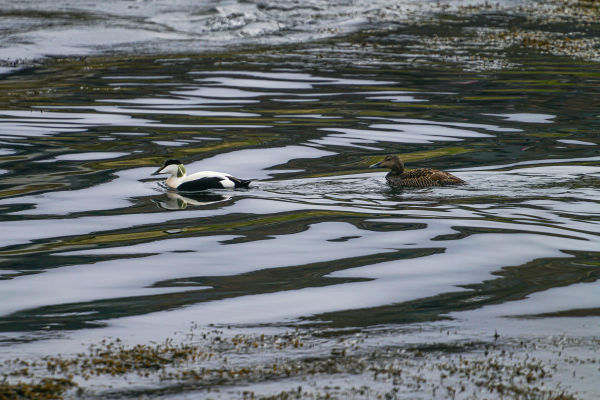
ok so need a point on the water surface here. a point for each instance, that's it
(93, 245)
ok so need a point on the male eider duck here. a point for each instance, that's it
(198, 181)
(420, 177)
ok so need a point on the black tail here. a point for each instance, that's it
(241, 183)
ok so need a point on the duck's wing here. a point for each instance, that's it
(419, 173)
(423, 177)
(445, 178)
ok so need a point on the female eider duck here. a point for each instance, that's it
(198, 181)
(420, 177)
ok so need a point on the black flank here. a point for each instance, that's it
(201, 184)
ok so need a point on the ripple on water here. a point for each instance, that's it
(531, 118)
(89, 156)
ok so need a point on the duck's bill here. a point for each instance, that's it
(376, 165)
(158, 171)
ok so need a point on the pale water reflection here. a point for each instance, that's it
(176, 201)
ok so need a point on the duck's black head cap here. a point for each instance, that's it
(172, 161)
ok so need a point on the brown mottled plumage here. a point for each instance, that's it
(420, 177)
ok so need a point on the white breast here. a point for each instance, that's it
(173, 181)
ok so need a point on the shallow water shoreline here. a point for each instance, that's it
(431, 361)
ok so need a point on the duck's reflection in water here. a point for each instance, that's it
(177, 201)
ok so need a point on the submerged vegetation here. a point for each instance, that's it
(225, 364)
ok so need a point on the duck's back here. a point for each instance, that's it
(423, 177)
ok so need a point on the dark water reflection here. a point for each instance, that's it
(88, 236)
